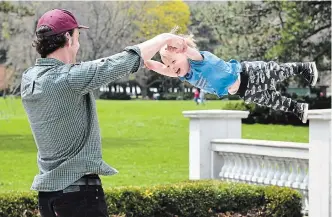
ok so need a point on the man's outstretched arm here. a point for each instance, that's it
(87, 76)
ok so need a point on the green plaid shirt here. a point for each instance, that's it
(61, 110)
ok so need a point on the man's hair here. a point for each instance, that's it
(48, 44)
(189, 38)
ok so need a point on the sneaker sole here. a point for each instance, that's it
(305, 113)
(314, 70)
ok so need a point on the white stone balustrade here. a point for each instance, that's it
(262, 162)
(216, 151)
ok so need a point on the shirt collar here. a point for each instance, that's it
(48, 62)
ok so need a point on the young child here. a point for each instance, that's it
(254, 82)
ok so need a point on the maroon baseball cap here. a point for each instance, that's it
(59, 20)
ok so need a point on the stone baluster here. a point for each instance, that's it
(292, 176)
(300, 175)
(263, 172)
(224, 167)
(285, 165)
(270, 170)
(279, 170)
(235, 167)
(229, 173)
(239, 169)
(251, 169)
(257, 172)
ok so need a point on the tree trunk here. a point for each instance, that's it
(135, 89)
(144, 92)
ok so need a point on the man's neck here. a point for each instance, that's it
(61, 55)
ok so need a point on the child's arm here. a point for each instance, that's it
(193, 54)
(159, 68)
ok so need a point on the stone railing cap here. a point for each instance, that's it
(215, 114)
(322, 114)
(268, 143)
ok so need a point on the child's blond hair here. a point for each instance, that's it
(189, 38)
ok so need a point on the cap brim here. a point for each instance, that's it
(83, 27)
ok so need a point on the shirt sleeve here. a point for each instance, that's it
(87, 76)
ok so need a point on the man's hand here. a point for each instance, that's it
(176, 44)
(173, 42)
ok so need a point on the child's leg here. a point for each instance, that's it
(273, 99)
(267, 74)
(280, 72)
(308, 71)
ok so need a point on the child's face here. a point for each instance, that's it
(176, 63)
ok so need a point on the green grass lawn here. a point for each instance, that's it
(147, 141)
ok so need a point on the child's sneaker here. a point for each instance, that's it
(309, 71)
(301, 111)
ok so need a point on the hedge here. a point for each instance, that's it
(115, 96)
(188, 199)
(265, 115)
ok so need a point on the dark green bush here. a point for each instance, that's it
(115, 96)
(282, 202)
(199, 199)
(18, 204)
(177, 96)
(264, 115)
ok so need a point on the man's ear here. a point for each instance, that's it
(69, 39)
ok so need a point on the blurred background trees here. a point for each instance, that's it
(281, 31)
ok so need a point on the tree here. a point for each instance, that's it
(204, 35)
(282, 31)
(305, 33)
(239, 30)
(159, 17)
(110, 30)
(8, 30)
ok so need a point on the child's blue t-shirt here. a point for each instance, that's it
(212, 74)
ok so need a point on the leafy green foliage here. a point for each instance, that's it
(161, 17)
(282, 31)
(187, 199)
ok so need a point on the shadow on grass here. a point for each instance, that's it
(26, 143)
(12, 142)
(119, 142)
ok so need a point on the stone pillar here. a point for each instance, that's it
(204, 126)
(320, 163)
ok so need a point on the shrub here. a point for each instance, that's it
(263, 115)
(199, 199)
(115, 96)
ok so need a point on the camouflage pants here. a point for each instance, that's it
(262, 79)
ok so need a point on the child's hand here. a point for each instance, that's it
(176, 44)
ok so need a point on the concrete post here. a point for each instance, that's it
(320, 163)
(204, 126)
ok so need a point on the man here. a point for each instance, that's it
(57, 97)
